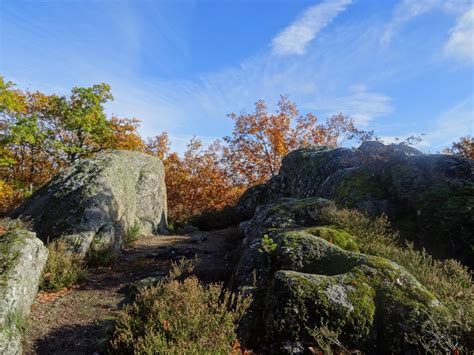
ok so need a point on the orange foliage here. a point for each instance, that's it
(9, 196)
(260, 139)
(463, 147)
(195, 182)
(159, 146)
(125, 135)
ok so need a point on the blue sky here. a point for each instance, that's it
(399, 67)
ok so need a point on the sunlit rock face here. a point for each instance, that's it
(22, 260)
(94, 203)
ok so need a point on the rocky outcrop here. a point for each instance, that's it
(429, 198)
(307, 276)
(22, 259)
(96, 202)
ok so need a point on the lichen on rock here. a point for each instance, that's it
(93, 203)
(22, 259)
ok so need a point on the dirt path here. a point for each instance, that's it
(78, 321)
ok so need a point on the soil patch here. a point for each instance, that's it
(77, 320)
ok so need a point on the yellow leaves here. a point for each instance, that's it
(9, 197)
(124, 134)
(11, 99)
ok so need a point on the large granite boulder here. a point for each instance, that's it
(429, 198)
(306, 275)
(22, 259)
(94, 203)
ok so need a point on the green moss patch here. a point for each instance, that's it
(335, 235)
(358, 186)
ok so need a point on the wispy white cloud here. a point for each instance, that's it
(404, 12)
(361, 104)
(452, 124)
(407, 10)
(460, 44)
(294, 38)
(179, 142)
(448, 127)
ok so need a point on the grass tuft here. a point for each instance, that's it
(15, 322)
(132, 235)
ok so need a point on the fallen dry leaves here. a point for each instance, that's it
(44, 297)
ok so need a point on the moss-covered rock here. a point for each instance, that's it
(286, 213)
(372, 303)
(22, 259)
(309, 277)
(95, 202)
(430, 198)
(373, 308)
(335, 235)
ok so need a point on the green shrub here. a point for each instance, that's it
(268, 245)
(179, 317)
(101, 257)
(448, 280)
(132, 235)
(171, 227)
(63, 268)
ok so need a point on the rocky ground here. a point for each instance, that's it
(76, 321)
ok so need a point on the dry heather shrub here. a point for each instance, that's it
(63, 268)
(182, 268)
(179, 317)
(448, 280)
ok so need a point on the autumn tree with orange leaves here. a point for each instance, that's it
(464, 147)
(261, 139)
(196, 182)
